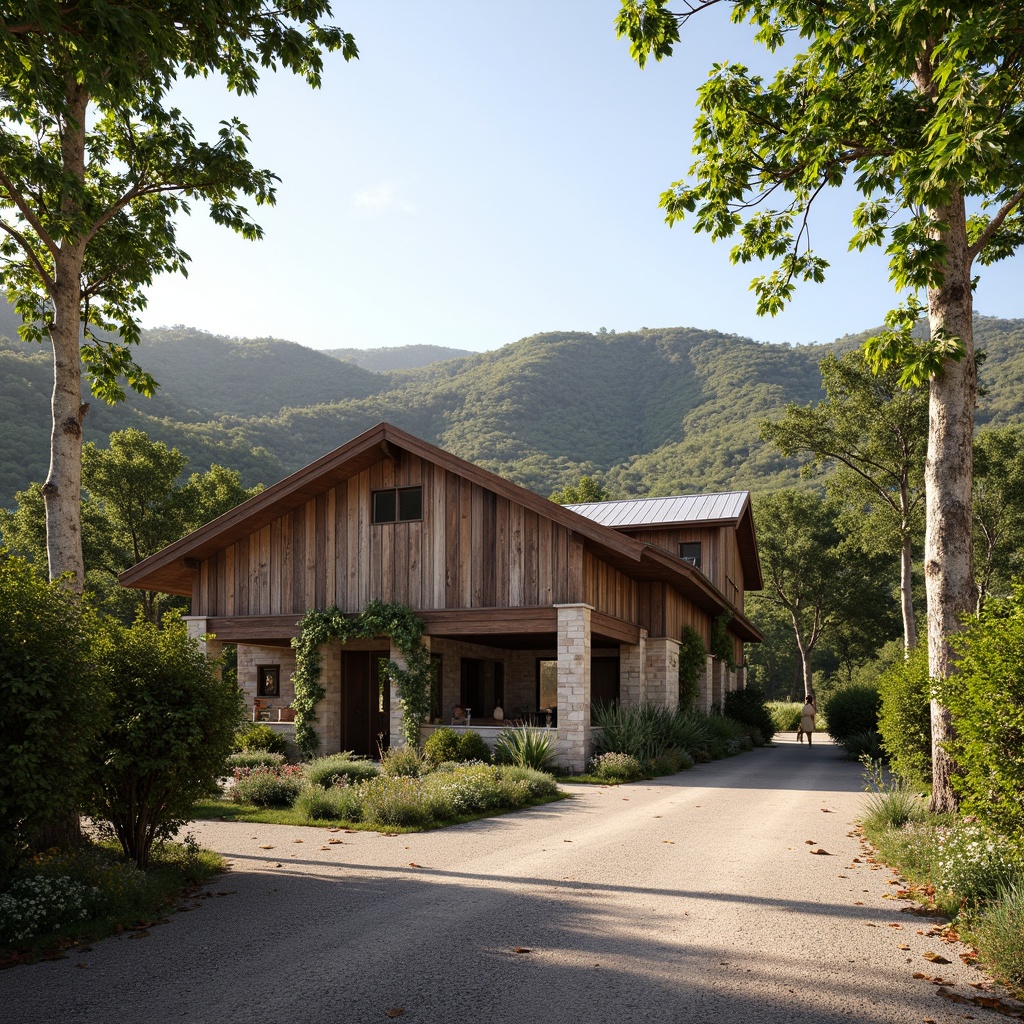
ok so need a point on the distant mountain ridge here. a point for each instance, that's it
(402, 357)
(649, 412)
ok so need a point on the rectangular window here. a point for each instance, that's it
(689, 551)
(547, 683)
(398, 505)
(268, 680)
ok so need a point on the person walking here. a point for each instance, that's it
(807, 716)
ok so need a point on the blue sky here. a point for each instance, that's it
(486, 172)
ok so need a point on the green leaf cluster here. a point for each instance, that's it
(52, 705)
(986, 698)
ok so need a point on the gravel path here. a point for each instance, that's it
(694, 898)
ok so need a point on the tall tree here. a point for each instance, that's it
(920, 102)
(811, 573)
(95, 164)
(588, 489)
(872, 432)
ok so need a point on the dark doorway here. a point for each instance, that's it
(604, 680)
(365, 702)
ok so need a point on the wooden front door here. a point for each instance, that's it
(365, 702)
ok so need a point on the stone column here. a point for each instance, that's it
(662, 672)
(575, 744)
(632, 677)
(198, 630)
(396, 717)
(717, 672)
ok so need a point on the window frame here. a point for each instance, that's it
(395, 493)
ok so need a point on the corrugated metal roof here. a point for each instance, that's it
(682, 508)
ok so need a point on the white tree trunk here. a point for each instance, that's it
(948, 549)
(906, 594)
(62, 491)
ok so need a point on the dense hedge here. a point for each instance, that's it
(904, 720)
(986, 698)
(750, 707)
(850, 710)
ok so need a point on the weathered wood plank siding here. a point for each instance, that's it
(473, 548)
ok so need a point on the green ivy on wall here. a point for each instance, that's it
(721, 641)
(693, 657)
(396, 621)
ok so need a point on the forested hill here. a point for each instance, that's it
(649, 412)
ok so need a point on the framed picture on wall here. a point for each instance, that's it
(268, 680)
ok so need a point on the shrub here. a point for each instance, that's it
(904, 720)
(254, 759)
(406, 761)
(644, 731)
(726, 736)
(986, 699)
(330, 770)
(339, 803)
(616, 767)
(539, 785)
(525, 747)
(446, 744)
(473, 747)
(442, 745)
(998, 933)
(689, 732)
(168, 735)
(785, 715)
(749, 707)
(259, 736)
(395, 800)
(864, 744)
(851, 709)
(52, 708)
(267, 787)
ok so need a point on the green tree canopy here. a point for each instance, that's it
(588, 489)
(95, 166)
(814, 576)
(870, 435)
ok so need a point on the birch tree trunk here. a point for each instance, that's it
(62, 491)
(906, 594)
(948, 549)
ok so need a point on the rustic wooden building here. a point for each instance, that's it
(527, 605)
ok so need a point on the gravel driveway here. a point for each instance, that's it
(694, 898)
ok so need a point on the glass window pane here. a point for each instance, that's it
(689, 551)
(410, 503)
(384, 506)
(547, 684)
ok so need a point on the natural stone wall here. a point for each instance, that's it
(575, 741)
(632, 672)
(661, 672)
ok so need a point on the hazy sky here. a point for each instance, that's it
(486, 172)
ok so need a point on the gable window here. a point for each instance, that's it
(398, 505)
(689, 551)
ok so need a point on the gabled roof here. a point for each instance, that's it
(172, 569)
(727, 508)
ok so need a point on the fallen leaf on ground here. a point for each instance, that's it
(893, 925)
(671, 842)
(821, 853)
(903, 945)
(298, 840)
(268, 846)
(335, 842)
(858, 903)
(522, 949)
(935, 958)
(825, 810)
(395, 1011)
(413, 864)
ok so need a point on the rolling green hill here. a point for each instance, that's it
(649, 412)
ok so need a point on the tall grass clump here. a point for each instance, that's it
(267, 787)
(891, 803)
(341, 802)
(524, 747)
(998, 932)
(643, 731)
